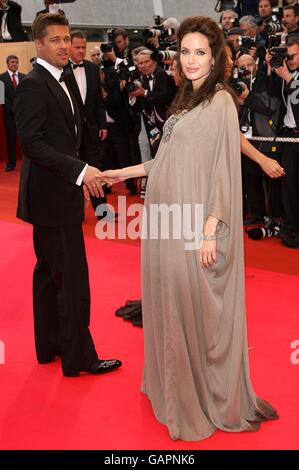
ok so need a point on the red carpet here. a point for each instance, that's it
(42, 410)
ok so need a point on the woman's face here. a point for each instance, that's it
(229, 62)
(196, 58)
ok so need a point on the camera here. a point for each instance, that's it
(271, 228)
(108, 46)
(238, 81)
(274, 23)
(222, 5)
(162, 56)
(246, 43)
(279, 55)
(129, 74)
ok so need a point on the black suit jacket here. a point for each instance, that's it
(48, 194)
(160, 97)
(9, 91)
(14, 22)
(93, 110)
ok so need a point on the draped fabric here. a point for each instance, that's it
(196, 370)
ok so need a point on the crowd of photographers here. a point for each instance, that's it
(139, 81)
(262, 69)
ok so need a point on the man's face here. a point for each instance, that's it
(146, 65)
(248, 30)
(290, 20)
(293, 52)
(247, 62)
(78, 50)
(3, 4)
(121, 42)
(234, 39)
(13, 65)
(265, 8)
(95, 55)
(226, 20)
(55, 46)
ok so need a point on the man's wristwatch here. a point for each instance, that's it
(145, 93)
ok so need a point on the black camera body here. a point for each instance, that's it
(129, 74)
(238, 82)
(270, 228)
(246, 43)
(108, 46)
(279, 55)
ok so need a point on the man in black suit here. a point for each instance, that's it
(83, 79)
(51, 199)
(11, 79)
(48, 9)
(11, 28)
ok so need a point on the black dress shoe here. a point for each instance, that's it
(104, 365)
(9, 167)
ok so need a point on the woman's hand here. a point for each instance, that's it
(113, 176)
(207, 253)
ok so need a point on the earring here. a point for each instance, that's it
(212, 68)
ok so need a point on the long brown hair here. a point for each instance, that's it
(186, 98)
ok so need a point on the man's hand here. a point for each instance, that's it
(103, 133)
(94, 180)
(138, 92)
(283, 72)
(242, 98)
(86, 196)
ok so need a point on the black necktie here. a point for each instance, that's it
(77, 65)
(62, 77)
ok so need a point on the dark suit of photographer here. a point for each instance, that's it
(120, 126)
(289, 120)
(155, 95)
(10, 21)
(259, 110)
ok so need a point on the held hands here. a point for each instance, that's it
(114, 176)
(94, 180)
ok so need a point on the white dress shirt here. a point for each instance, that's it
(56, 73)
(289, 119)
(16, 75)
(80, 76)
(4, 31)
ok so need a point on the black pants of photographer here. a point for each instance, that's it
(290, 182)
(90, 153)
(118, 143)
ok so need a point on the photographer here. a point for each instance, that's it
(153, 97)
(228, 20)
(265, 9)
(258, 117)
(11, 28)
(289, 75)
(122, 46)
(290, 18)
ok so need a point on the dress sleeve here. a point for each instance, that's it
(148, 165)
(225, 195)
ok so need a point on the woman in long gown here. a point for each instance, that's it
(196, 370)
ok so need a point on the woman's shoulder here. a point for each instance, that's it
(221, 94)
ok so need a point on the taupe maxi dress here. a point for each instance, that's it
(196, 370)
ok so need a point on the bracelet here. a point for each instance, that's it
(208, 237)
